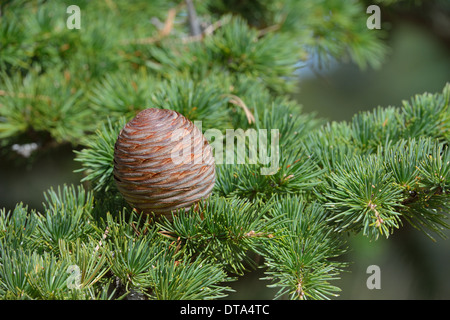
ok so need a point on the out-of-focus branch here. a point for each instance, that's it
(163, 32)
(194, 24)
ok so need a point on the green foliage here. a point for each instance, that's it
(144, 260)
(435, 170)
(91, 261)
(300, 259)
(130, 259)
(97, 158)
(67, 216)
(361, 194)
(223, 233)
(43, 103)
(198, 101)
(37, 256)
(179, 280)
(403, 159)
(384, 168)
(116, 96)
(18, 228)
(372, 129)
(115, 74)
(242, 50)
(426, 115)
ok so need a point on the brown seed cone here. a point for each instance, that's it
(162, 162)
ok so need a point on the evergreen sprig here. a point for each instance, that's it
(369, 175)
(362, 196)
(97, 158)
(116, 96)
(300, 260)
(182, 280)
(222, 231)
(48, 103)
(197, 100)
(67, 216)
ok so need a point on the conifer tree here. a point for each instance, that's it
(383, 169)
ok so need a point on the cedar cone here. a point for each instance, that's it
(162, 162)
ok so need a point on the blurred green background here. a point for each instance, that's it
(412, 266)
